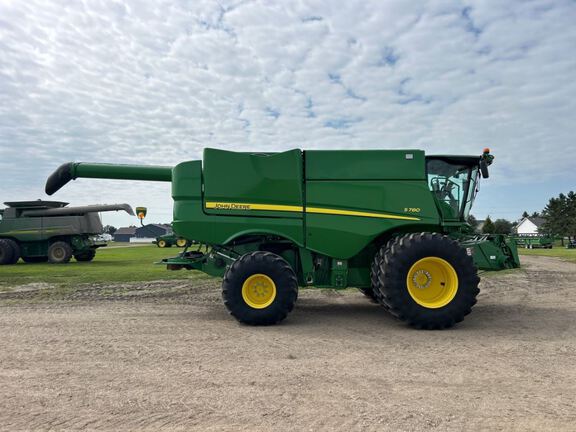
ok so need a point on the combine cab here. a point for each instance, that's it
(389, 222)
(40, 231)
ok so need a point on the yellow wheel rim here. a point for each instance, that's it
(181, 242)
(432, 282)
(162, 243)
(259, 291)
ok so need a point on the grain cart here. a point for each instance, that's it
(40, 231)
(389, 222)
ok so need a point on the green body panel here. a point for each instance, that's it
(270, 179)
(344, 236)
(192, 222)
(365, 165)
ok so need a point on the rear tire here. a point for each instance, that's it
(6, 252)
(427, 280)
(374, 272)
(86, 256)
(35, 259)
(260, 288)
(59, 253)
(16, 251)
(181, 242)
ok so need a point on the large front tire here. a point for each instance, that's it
(426, 280)
(59, 253)
(260, 288)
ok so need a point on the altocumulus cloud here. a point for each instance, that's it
(155, 82)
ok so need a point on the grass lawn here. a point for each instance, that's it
(116, 263)
(126, 262)
(558, 252)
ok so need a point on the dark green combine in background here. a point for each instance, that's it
(40, 231)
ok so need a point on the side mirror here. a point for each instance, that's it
(141, 213)
(484, 169)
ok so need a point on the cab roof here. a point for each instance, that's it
(458, 159)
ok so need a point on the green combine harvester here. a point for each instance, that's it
(40, 231)
(389, 222)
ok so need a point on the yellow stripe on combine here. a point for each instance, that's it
(358, 213)
(317, 210)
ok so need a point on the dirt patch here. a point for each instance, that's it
(33, 287)
(166, 356)
(179, 291)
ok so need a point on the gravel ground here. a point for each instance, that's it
(166, 356)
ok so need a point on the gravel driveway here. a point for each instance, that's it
(166, 356)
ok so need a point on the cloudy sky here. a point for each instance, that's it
(154, 82)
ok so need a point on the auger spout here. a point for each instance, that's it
(73, 170)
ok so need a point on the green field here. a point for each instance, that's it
(117, 263)
(557, 251)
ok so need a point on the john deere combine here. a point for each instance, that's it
(40, 231)
(389, 222)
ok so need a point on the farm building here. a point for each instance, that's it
(151, 231)
(124, 234)
(144, 234)
(529, 226)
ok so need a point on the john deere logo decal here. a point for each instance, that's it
(232, 206)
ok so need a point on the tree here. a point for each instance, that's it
(535, 215)
(472, 221)
(502, 226)
(571, 214)
(488, 227)
(525, 214)
(109, 229)
(560, 216)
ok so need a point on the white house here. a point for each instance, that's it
(529, 226)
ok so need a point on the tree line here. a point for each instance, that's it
(559, 219)
(560, 216)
